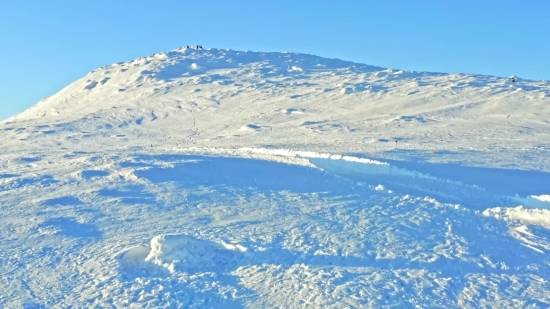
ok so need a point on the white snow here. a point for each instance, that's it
(227, 179)
(534, 201)
(524, 215)
(180, 253)
(542, 198)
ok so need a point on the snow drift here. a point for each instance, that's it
(181, 253)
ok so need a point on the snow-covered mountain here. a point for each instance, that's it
(219, 178)
(225, 98)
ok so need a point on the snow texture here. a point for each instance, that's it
(209, 178)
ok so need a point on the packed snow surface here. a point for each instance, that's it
(228, 179)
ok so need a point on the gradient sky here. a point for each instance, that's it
(46, 45)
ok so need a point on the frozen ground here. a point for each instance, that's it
(214, 178)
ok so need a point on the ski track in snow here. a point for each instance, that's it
(226, 179)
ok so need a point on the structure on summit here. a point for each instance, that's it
(195, 47)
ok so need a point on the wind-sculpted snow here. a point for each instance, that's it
(188, 62)
(473, 187)
(299, 230)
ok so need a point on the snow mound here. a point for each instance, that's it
(180, 253)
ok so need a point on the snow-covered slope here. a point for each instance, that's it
(120, 229)
(226, 179)
(225, 98)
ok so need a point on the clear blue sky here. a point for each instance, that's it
(45, 45)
